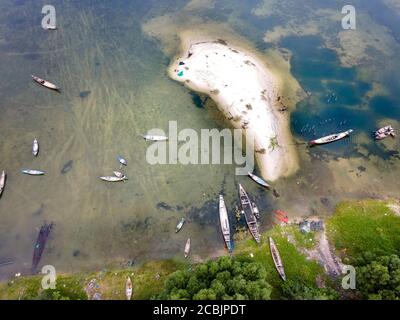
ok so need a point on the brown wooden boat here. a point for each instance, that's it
(277, 259)
(248, 212)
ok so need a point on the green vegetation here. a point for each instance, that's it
(367, 235)
(297, 289)
(364, 226)
(226, 278)
(378, 278)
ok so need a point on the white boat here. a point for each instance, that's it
(122, 161)
(128, 289)
(223, 218)
(33, 172)
(187, 248)
(113, 178)
(180, 225)
(277, 259)
(50, 27)
(45, 83)
(259, 180)
(35, 148)
(384, 132)
(118, 174)
(2, 181)
(154, 138)
(331, 138)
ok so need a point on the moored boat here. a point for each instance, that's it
(277, 259)
(154, 138)
(180, 225)
(128, 289)
(122, 161)
(35, 148)
(40, 245)
(2, 181)
(384, 132)
(113, 178)
(33, 172)
(248, 212)
(187, 248)
(118, 174)
(45, 83)
(331, 138)
(223, 218)
(259, 180)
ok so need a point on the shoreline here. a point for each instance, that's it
(255, 109)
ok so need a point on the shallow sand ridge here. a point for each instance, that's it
(246, 92)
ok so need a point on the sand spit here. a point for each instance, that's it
(246, 92)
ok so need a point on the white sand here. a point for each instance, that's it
(246, 92)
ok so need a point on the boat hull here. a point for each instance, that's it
(331, 138)
(248, 211)
(187, 248)
(32, 172)
(260, 181)
(45, 83)
(277, 259)
(224, 221)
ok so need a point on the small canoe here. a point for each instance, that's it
(187, 248)
(122, 161)
(33, 172)
(118, 174)
(2, 181)
(331, 138)
(180, 225)
(113, 179)
(224, 221)
(248, 211)
(128, 289)
(35, 148)
(384, 132)
(154, 138)
(45, 83)
(259, 180)
(277, 259)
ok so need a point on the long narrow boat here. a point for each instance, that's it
(2, 181)
(45, 83)
(187, 248)
(33, 172)
(154, 138)
(128, 289)
(113, 178)
(277, 259)
(35, 148)
(180, 225)
(248, 212)
(331, 138)
(223, 218)
(259, 180)
(40, 245)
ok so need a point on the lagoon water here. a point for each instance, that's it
(115, 87)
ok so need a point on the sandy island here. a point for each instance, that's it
(246, 92)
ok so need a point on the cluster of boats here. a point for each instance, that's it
(379, 134)
(384, 132)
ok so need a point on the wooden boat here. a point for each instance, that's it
(113, 179)
(277, 259)
(384, 132)
(154, 138)
(45, 83)
(180, 225)
(40, 244)
(260, 181)
(331, 138)
(128, 289)
(35, 148)
(187, 248)
(122, 161)
(223, 218)
(118, 174)
(2, 181)
(33, 172)
(248, 212)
